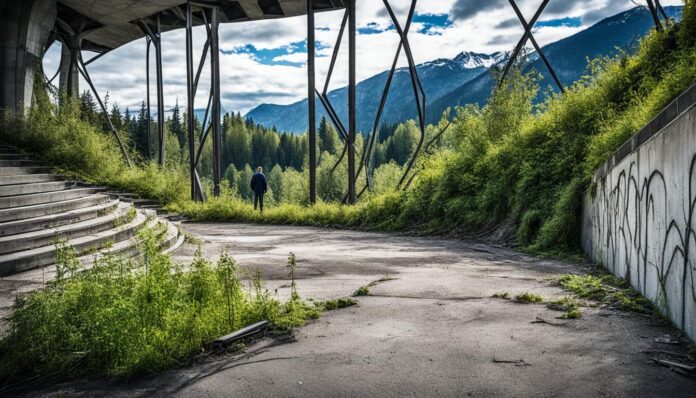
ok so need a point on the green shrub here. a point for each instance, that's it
(527, 298)
(122, 318)
(501, 295)
(607, 289)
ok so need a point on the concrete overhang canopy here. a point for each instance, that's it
(114, 24)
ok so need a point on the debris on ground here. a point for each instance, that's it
(518, 362)
(363, 291)
(668, 339)
(241, 333)
(544, 321)
(681, 368)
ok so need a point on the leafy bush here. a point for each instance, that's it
(507, 165)
(528, 298)
(121, 318)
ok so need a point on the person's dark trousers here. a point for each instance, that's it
(258, 200)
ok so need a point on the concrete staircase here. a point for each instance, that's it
(39, 209)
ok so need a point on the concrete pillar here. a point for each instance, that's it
(69, 82)
(24, 29)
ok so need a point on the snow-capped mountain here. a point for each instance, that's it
(438, 77)
(465, 78)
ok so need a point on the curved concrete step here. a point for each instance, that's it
(34, 239)
(45, 197)
(125, 249)
(21, 163)
(84, 245)
(131, 248)
(28, 179)
(57, 219)
(39, 187)
(20, 213)
(11, 156)
(11, 171)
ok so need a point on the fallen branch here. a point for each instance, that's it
(240, 334)
(665, 352)
(675, 365)
(519, 362)
(544, 321)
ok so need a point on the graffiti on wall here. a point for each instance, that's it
(639, 223)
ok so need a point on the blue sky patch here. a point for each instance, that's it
(568, 22)
(431, 22)
(372, 28)
(268, 56)
(429, 25)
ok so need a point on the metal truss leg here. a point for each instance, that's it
(83, 71)
(311, 88)
(522, 42)
(215, 82)
(352, 119)
(372, 138)
(528, 29)
(190, 99)
(160, 92)
(418, 92)
(653, 7)
(148, 42)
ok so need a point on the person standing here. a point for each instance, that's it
(259, 185)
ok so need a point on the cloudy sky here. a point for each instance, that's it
(264, 61)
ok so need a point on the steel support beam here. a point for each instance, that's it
(371, 140)
(523, 41)
(352, 117)
(190, 96)
(311, 88)
(83, 70)
(147, 83)
(160, 92)
(528, 30)
(215, 82)
(655, 14)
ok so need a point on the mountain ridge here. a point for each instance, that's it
(466, 78)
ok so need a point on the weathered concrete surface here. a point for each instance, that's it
(432, 331)
(639, 219)
(116, 16)
(24, 29)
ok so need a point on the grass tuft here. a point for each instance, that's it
(607, 289)
(122, 318)
(502, 295)
(337, 304)
(363, 291)
(528, 298)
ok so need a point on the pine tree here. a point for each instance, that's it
(328, 137)
(88, 107)
(116, 117)
(140, 138)
(275, 181)
(177, 127)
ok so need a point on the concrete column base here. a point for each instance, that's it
(24, 29)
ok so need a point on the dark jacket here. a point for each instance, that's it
(259, 183)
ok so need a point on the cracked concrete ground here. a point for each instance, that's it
(434, 330)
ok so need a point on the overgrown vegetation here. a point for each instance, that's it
(338, 303)
(608, 290)
(569, 305)
(362, 291)
(122, 318)
(528, 298)
(508, 166)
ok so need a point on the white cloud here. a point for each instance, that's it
(247, 83)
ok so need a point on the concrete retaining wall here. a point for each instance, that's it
(639, 218)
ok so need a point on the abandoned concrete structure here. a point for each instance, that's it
(29, 27)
